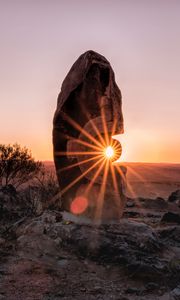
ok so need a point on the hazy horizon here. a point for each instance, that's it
(40, 40)
(132, 162)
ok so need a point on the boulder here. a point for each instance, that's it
(88, 114)
(170, 235)
(33, 239)
(175, 294)
(134, 246)
(156, 204)
(175, 197)
(171, 217)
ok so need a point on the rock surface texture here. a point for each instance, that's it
(89, 112)
(58, 255)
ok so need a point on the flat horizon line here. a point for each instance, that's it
(132, 162)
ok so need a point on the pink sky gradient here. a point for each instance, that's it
(41, 39)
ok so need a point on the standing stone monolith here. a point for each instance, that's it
(89, 97)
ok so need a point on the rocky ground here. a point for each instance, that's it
(55, 255)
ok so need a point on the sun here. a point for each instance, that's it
(109, 152)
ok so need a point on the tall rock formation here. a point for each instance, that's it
(89, 112)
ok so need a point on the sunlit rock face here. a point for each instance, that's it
(89, 112)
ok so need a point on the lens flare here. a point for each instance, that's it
(109, 152)
(79, 205)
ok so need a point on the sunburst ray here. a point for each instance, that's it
(139, 177)
(97, 132)
(79, 163)
(94, 127)
(60, 193)
(115, 185)
(106, 136)
(155, 171)
(80, 129)
(75, 153)
(130, 188)
(79, 141)
(80, 177)
(91, 183)
(133, 194)
(113, 130)
(114, 178)
(100, 199)
(84, 143)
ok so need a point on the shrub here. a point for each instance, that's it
(17, 166)
(39, 193)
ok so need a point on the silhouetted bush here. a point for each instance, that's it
(38, 184)
(17, 166)
(39, 193)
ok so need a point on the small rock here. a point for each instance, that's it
(38, 245)
(175, 197)
(175, 294)
(97, 290)
(58, 241)
(152, 286)
(171, 217)
(165, 297)
(157, 204)
(62, 262)
(60, 294)
(132, 290)
(131, 214)
(130, 203)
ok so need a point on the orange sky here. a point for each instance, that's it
(40, 40)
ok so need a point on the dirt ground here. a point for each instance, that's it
(29, 272)
(70, 278)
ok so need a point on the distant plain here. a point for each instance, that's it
(148, 180)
